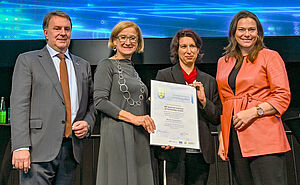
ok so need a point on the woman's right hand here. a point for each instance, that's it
(145, 121)
(221, 151)
(168, 147)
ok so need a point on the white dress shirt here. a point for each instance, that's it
(71, 76)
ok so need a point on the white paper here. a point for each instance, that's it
(174, 111)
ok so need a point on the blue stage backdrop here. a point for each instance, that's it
(92, 19)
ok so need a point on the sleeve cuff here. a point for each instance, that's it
(19, 149)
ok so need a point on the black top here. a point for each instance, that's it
(232, 76)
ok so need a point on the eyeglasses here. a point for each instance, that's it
(123, 38)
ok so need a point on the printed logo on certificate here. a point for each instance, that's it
(174, 111)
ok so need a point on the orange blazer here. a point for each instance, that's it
(264, 80)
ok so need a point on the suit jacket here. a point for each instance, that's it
(206, 117)
(264, 80)
(38, 109)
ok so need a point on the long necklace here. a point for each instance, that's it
(124, 88)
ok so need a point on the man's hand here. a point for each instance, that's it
(80, 128)
(21, 160)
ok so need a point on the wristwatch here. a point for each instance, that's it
(260, 111)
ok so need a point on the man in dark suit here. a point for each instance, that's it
(52, 108)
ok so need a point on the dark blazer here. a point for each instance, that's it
(38, 109)
(207, 117)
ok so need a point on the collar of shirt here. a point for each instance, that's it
(53, 53)
(190, 78)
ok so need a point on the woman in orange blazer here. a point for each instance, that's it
(254, 91)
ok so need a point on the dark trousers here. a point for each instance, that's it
(60, 171)
(260, 170)
(193, 170)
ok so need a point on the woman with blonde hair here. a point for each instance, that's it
(120, 96)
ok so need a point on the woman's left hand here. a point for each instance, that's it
(200, 92)
(244, 118)
(145, 121)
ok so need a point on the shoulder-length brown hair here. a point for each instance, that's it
(120, 27)
(175, 44)
(232, 49)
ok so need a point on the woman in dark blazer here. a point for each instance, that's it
(181, 165)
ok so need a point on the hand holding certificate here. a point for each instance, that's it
(174, 111)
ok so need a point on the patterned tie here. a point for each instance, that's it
(64, 81)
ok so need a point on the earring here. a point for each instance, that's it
(115, 49)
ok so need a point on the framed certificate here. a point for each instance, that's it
(174, 111)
